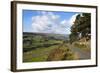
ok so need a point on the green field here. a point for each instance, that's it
(45, 49)
(39, 48)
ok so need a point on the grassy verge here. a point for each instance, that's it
(62, 53)
(84, 47)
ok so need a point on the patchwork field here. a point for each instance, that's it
(51, 47)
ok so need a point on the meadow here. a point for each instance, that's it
(37, 48)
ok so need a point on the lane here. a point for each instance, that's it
(82, 54)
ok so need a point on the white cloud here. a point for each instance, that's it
(48, 22)
(63, 22)
(72, 19)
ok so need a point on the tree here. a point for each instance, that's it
(82, 25)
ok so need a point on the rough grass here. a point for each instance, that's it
(84, 47)
(39, 54)
(39, 49)
(62, 53)
(47, 50)
(52, 53)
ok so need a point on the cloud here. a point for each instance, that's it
(48, 22)
(72, 19)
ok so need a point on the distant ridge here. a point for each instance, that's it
(49, 35)
(42, 33)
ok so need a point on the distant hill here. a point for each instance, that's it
(48, 35)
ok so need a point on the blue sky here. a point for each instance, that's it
(48, 21)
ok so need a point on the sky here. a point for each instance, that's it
(48, 21)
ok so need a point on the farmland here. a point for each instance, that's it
(39, 47)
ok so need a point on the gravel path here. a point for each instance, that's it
(82, 54)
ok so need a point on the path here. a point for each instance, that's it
(82, 54)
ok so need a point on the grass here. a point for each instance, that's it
(46, 50)
(40, 43)
(42, 54)
(62, 53)
(36, 55)
(84, 47)
(38, 59)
